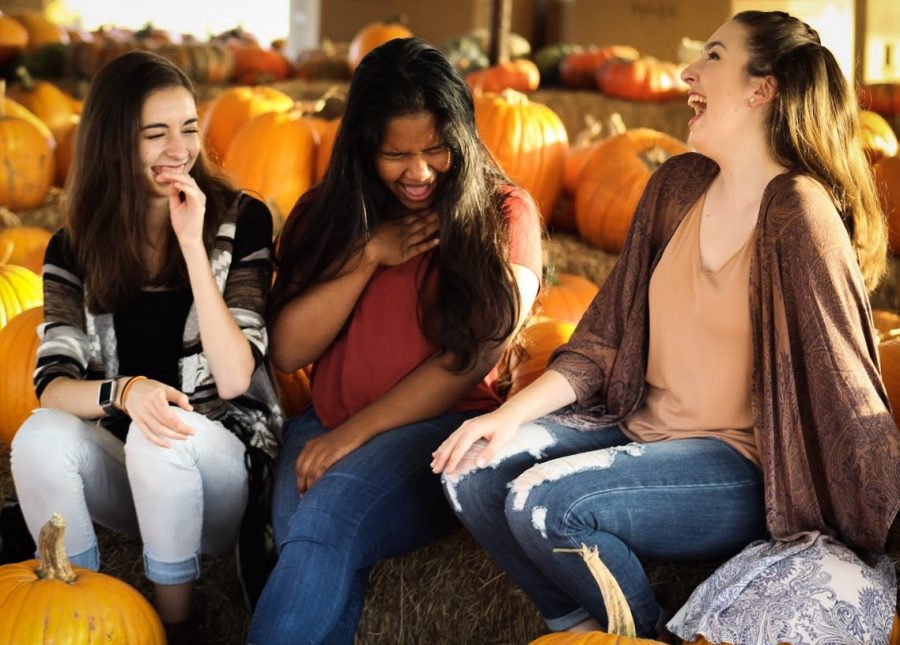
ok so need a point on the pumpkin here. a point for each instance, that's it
(43, 99)
(253, 65)
(889, 356)
(537, 342)
(613, 180)
(50, 601)
(578, 70)
(887, 324)
(28, 244)
(883, 98)
(620, 630)
(549, 59)
(527, 139)
(293, 390)
(40, 30)
(19, 111)
(878, 138)
(370, 37)
(326, 63)
(521, 74)
(234, 107)
(18, 353)
(887, 179)
(20, 288)
(642, 79)
(65, 148)
(565, 296)
(327, 135)
(27, 166)
(274, 155)
(13, 38)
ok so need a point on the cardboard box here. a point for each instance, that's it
(430, 20)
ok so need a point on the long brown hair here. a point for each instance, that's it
(107, 192)
(478, 300)
(814, 126)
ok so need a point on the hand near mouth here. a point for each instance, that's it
(187, 206)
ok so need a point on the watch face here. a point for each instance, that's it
(106, 393)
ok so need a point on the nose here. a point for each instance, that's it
(417, 168)
(689, 73)
(176, 147)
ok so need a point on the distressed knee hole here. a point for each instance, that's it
(559, 468)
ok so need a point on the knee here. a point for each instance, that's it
(472, 490)
(46, 440)
(182, 452)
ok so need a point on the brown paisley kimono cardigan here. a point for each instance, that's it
(829, 447)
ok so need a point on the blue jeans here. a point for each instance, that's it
(557, 487)
(379, 501)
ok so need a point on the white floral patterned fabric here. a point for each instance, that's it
(812, 590)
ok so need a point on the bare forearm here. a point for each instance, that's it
(226, 348)
(76, 397)
(548, 393)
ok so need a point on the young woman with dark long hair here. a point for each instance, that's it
(401, 278)
(151, 371)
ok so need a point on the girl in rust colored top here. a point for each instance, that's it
(401, 277)
(723, 387)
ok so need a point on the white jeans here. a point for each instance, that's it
(184, 500)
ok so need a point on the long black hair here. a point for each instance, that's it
(477, 299)
(108, 193)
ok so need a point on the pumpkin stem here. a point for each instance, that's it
(54, 561)
(655, 157)
(616, 124)
(617, 610)
(25, 77)
(513, 97)
(593, 129)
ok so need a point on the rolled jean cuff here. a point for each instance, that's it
(89, 559)
(172, 573)
(568, 621)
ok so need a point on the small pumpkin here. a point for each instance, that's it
(613, 180)
(520, 74)
(46, 101)
(536, 342)
(642, 79)
(40, 30)
(13, 38)
(527, 139)
(50, 601)
(578, 70)
(565, 296)
(883, 98)
(18, 354)
(371, 36)
(620, 630)
(26, 246)
(549, 58)
(254, 65)
(293, 390)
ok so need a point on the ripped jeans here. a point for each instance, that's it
(557, 487)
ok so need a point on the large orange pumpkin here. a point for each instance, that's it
(234, 107)
(274, 155)
(46, 101)
(878, 138)
(26, 246)
(27, 165)
(370, 37)
(14, 109)
(50, 601)
(527, 139)
(887, 179)
(612, 181)
(18, 351)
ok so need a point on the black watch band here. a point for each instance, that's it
(107, 396)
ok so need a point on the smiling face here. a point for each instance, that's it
(169, 134)
(721, 90)
(411, 159)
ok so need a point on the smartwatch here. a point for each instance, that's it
(107, 396)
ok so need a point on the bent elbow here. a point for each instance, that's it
(233, 387)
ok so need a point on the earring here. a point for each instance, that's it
(752, 100)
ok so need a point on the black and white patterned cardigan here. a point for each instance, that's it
(79, 344)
